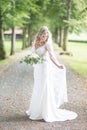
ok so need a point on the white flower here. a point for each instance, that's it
(34, 55)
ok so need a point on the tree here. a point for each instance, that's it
(29, 23)
(13, 38)
(78, 20)
(59, 16)
(18, 12)
(35, 20)
(65, 16)
(66, 28)
(4, 7)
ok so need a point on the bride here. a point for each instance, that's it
(50, 90)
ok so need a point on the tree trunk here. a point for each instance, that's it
(60, 37)
(66, 29)
(29, 34)
(24, 39)
(2, 51)
(56, 35)
(13, 39)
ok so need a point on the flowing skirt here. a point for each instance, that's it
(49, 93)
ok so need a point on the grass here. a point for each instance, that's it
(78, 61)
(3, 62)
(7, 45)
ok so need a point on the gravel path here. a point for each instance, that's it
(16, 83)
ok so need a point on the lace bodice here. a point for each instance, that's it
(46, 51)
(41, 51)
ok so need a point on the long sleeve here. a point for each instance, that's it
(50, 50)
(32, 50)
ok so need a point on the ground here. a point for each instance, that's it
(16, 83)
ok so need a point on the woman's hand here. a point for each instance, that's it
(60, 66)
(33, 43)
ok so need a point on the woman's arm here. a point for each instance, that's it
(52, 57)
(32, 50)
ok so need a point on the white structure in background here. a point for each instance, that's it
(8, 33)
(78, 37)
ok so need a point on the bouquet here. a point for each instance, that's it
(32, 59)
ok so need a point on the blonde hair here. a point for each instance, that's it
(42, 37)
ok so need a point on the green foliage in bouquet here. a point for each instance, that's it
(32, 59)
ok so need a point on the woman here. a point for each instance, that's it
(50, 90)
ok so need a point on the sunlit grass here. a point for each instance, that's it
(3, 62)
(78, 61)
(7, 46)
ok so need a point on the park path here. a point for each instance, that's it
(16, 83)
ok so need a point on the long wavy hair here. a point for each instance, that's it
(42, 37)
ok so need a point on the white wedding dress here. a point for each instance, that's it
(49, 90)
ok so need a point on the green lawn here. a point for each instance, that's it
(78, 61)
(7, 45)
(18, 46)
